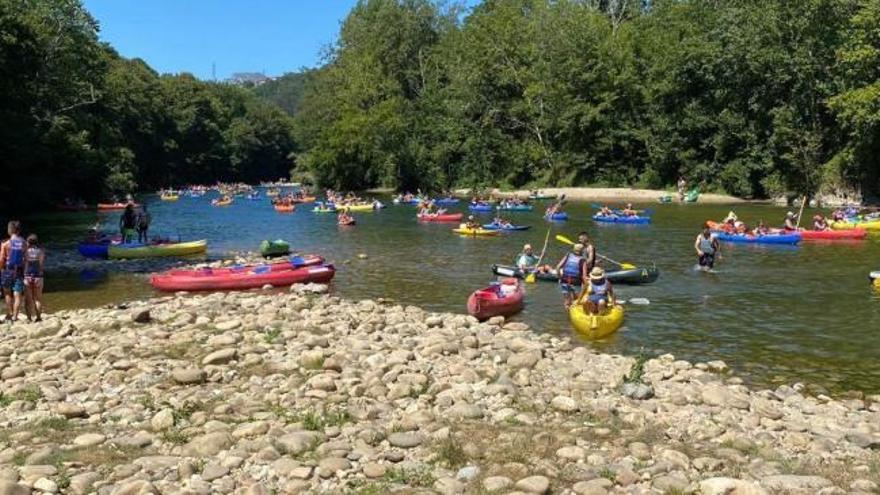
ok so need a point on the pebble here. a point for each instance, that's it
(534, 484)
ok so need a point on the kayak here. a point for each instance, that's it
(558, 216)
(760, 239)
(474, 232)
(446, 201)
(413, 201)
(538, 197)
(169, 198)
(367, 207)
(498, 299)
(622, 219)
(446, 217)
(319, 209)
(515, 208)
(875, 278)
(131, 251)
(495, 226)
(305, 199)
(252, 278)
(220, 202)
(595, 326)
(291, 263)
(479, 207)
(115, 206)
(833, 234)
(666, 199)
(94, 249)
(631, 276)
(872, 226)
(285, 208)
(278, 247)
(692, 196)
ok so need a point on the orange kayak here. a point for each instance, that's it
(285, 208)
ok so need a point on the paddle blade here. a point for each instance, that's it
(565, 240)
(530, 278)
(628, 266)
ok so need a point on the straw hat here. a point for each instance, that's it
(597, 273)
(527, 247)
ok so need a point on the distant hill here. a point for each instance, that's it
(285, 91)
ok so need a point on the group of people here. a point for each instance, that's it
(627, 211)
(133, 222)
(22, 262)
(581, 280)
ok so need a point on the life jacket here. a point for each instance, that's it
(33, 257)
(571, 269)
(706, 245)
(599, 289)
(15, 256)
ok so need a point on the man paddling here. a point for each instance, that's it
(708, 249)
(790, 221)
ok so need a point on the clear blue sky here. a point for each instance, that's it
(275, 36)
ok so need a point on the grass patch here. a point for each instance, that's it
(450, 453)
(19, 459)
(608, 474)
(314, 364)
(5, 400)
(419, 478)
(271, 336)
(175, 437)
(319, 420)
(637, 372)
(105, 457)
(148, 402)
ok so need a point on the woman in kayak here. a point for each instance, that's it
(500, 222)
(572, 270)
(789, 222)
(708, 248)
(820, 223)
(628, 211)
(599, 292)
(343, 218)
(761, 229)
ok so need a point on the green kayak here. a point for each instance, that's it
(274, 248)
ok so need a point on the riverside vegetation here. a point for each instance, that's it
(302, 392)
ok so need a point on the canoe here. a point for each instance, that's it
(495, 226)
(515, 208)
(253, 278)
(622, 219)
(446, 201)
(319, 209)
(131, 251)
(278, 247)
(692, 196)
(114, 206)
(480, 207)
(218, 202)
(474, 232)
(872, 226)
(595, 326)
(291, 263)
(446, 217)
(760, 239)
(285, 208)
(632, 276)
(498, 299)
(557, 217)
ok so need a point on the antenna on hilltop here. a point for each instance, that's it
(214, 71)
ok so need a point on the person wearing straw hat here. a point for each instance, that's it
(790, 221)
(572, 270)
(598, 291)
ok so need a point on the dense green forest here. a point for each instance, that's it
(753, 98)
(79, 121)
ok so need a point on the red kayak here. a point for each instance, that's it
(446, 217)
(834, 234)
(115, 206)
(502, 299)
(251, 279)
(289, 264)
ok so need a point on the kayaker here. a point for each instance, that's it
(789, 223)
(820, 223)
(589, 252)
(628, 211)
(598, 291)
(471, 223)
(761, 229)
(500, 222)
(35, 259)
(12, 259)
(606, 211)
(527, 262)
(144, 219)
(343, 218)
(127, 223)
(708, 248)
(572, 271)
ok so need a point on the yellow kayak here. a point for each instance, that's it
(368, 207)
(595, 326)
(872, 226)
(169, 198)
(466, 231)
(130, 251)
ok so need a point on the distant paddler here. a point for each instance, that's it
(820, 223)
(708, 249)
(789, 223)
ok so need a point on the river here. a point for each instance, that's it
(775, 314)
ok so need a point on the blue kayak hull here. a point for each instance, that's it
(446, 201)
(93, 250)
(515, 208)
(760, 239)
(473, 207)
(557, 217)
(627, 220)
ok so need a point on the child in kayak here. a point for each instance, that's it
(708, 248)
(471, 223)
(820, 223)
(599, 292)
(761, 229)
(35, 259)
(606, 211)
(572, 270)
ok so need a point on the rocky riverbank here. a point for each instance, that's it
(301, 392)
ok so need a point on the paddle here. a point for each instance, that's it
(801, 213)
(530, 278)
(626, 266)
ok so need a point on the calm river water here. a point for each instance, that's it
(774, 313)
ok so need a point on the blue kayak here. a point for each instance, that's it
(495, 226)
(621, 219)
(446, 201)
(760, 239)
(480, 207)
(559, 217)
(94, 249)
(515, 207)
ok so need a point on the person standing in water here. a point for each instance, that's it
(127, 223)
(12, 254)
(589, 251)
(144, 219)
(708, 249)
(572, 271)
(35, 260)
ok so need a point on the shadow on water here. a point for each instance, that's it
(774, 313)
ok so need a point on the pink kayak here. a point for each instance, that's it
(288, 264)
(502, 299)
(834, 234)
(446, 217)
(250, 279)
